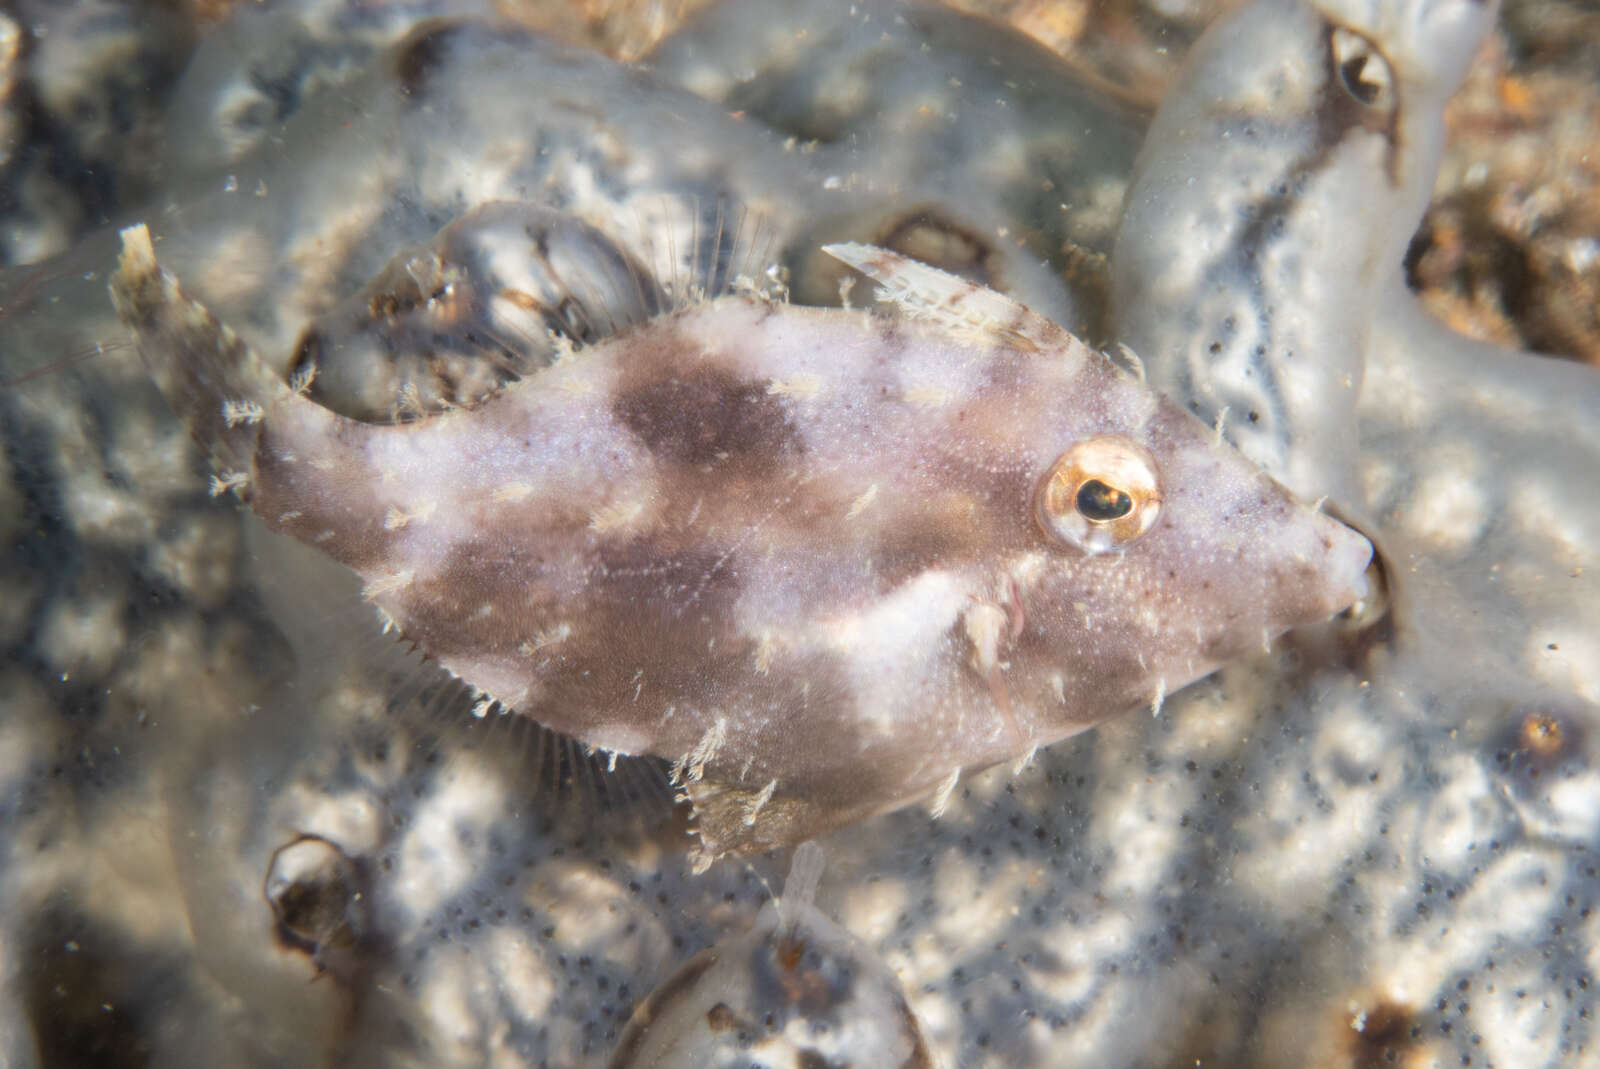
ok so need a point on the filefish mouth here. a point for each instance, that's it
(1350, 568)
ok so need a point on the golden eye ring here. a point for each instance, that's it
(1100, 495)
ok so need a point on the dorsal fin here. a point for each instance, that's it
(951, 301)
(699, 250)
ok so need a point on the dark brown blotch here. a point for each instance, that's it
(440, 609)
(655, 615)
(705, 415)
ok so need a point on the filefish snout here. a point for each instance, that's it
(1349, 558)
(1318, 567)
(1266, 563)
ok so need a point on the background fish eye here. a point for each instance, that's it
(1363, 71)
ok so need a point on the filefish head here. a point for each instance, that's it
(1137, 550)
(1163, 555)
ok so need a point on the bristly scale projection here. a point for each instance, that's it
(823, 560)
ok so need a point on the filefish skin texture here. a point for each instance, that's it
(822, 560)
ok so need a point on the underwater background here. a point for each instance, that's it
(210, 796)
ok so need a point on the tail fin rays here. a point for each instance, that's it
(210, 377)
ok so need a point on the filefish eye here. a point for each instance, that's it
(1099, 495)
(1100, 503)
(1363, 71)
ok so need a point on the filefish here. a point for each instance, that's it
(823, 561)
(795, 990)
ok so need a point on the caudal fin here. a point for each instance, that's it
(211, 379)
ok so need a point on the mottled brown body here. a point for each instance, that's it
(793, 550)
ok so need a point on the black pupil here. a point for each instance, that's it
(1353, 72)
(1099, 503)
